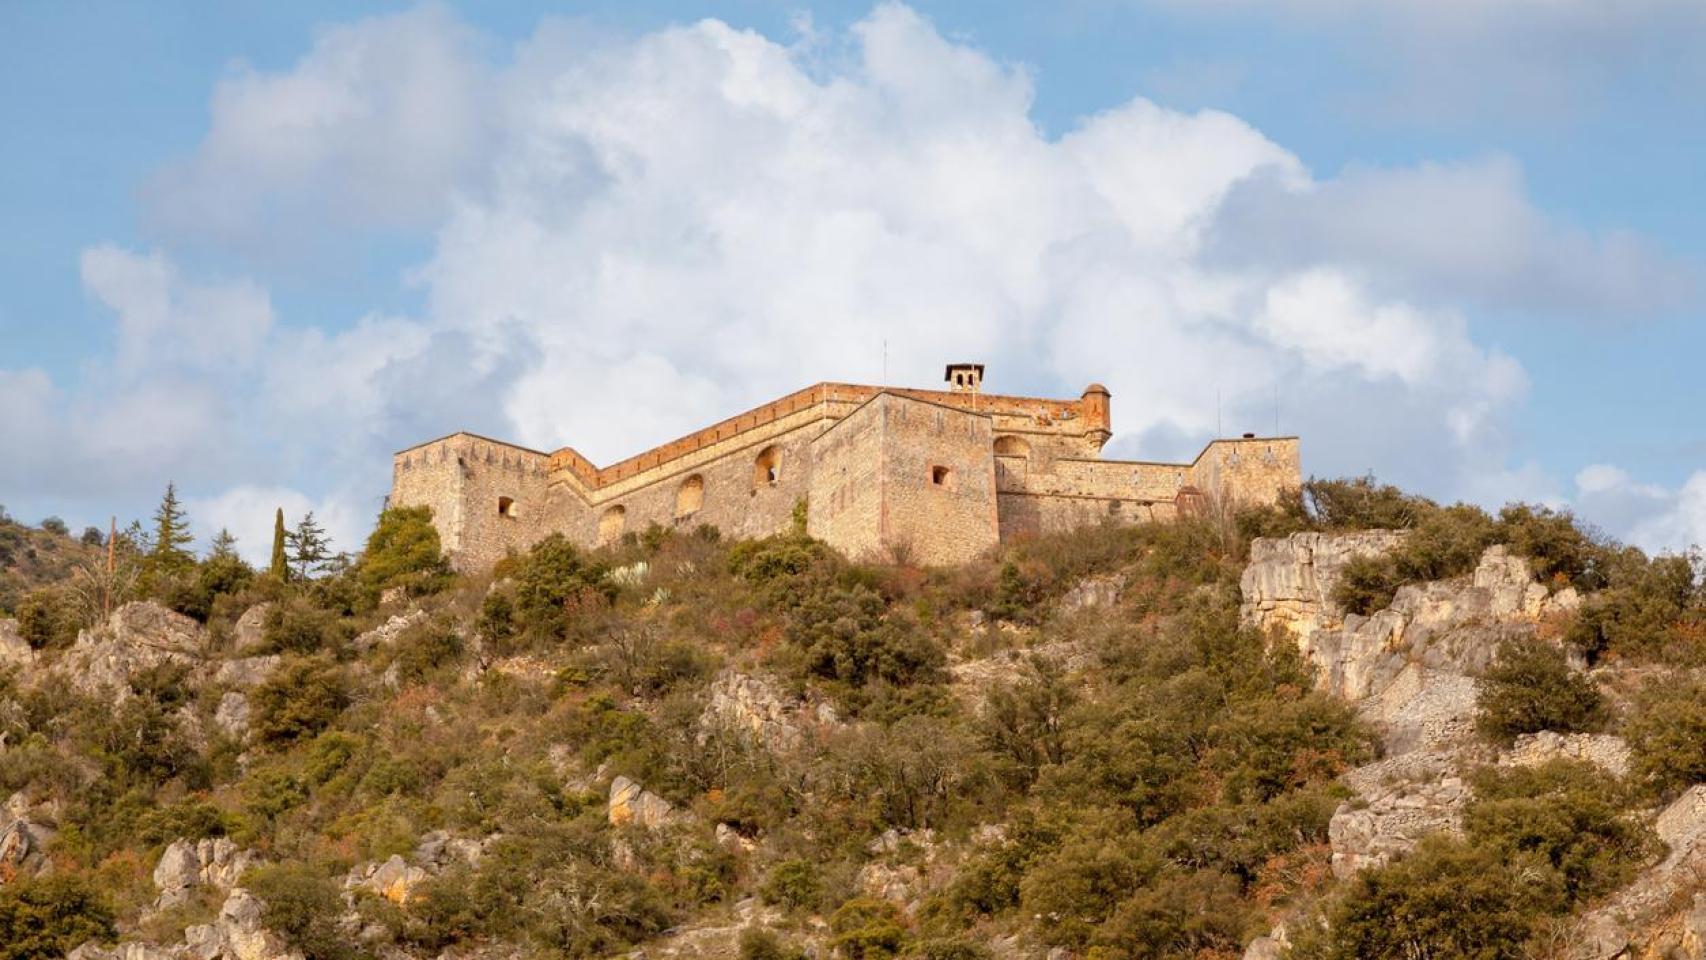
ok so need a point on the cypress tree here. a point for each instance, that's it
(279, 567)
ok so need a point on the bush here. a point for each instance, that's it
(1667, 734)
(1652, 610)
(44, 918)
(1445, 901)
(947, 948)
(550, 579)
(1564, 817)
(1366, 584)
(757, 943)
(1532, 688)
(1362, 504)
(56, 526)
(299, 700)
(424, 648)
(303, 905)
(865, 928)
(404, 551)
(297, 626)
(49, 618)
(795, 884)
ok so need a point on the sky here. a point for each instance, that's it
(252, 248)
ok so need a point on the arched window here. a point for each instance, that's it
(610, 524)
(691, 496)
(767, 469)
(506, 507)
(1012, 447)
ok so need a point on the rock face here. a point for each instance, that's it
(249, 627)
(1674, 882)
(387, 632)
(1410, 670)
(14, 650)
(23, 840)
(189, 864)
(246, 673)
(138, 636)
(237, 934)
(232, 715)
(395, 879)
(1093, 592)
(631, 803)
(758, 708)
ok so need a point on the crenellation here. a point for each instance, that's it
(936, 476)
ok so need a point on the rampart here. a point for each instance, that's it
(938, 476)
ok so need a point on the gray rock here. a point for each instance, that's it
(757, 708)
(1608, 752)
(1093, 592)
(14, 650)
(186, 865)
(246, 673)
(631, 803)
(1400, 800)
(137, 637)
(387, 632)
(1606, 931)
(246, 633)
(232, 714)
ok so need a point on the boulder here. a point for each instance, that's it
(14, 650)
(186, 865)
(237, 934)
(24, 835)
(246, 673)
(757, 708)
(232, 714)
(389, 631)
(1289, 581)
(1399, 801)
(1093, 592)
(395, 879)
(246, 633)
(631, 803)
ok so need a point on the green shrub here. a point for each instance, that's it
(404, 551)
(1566, 817)
(301, 698)
(1532, 688)
(847, 633)
(551, 578)
(865, 928)
(1666, 731)
(1652, 610)
(303, 906)
(1557, 548)
(1446, 900)
(1366, 583)
(44, 918)
(795, 884)
(1362, 504)
(757, 943)
(423, 648)
(49, 617)
(947, 948)
(297, 626)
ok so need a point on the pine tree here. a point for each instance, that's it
(310, 551)
(171, 535)
(224, 544)
(279, 567)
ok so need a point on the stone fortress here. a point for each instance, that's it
(928, 476)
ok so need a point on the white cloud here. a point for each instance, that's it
(1651, 516)
(163, 320)
(376, 126)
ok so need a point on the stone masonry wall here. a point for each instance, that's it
(1253, 470)
(463, 478)
(845, 506)
(938, 482)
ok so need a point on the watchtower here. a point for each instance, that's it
(964, 377)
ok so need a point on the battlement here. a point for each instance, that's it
(1032, 466)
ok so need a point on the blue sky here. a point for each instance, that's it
(252, 248)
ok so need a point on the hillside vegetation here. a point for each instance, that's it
(763, 749)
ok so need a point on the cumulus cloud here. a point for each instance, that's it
(247, 511)
(376, 126)
(660, 231)
(1648, 515)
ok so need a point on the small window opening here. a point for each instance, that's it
(940, 476)
(767, 469)
(506, 507)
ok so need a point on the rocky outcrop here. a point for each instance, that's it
(1670, 887)
(246, 673)
(24, 836)
(238, 933)
(394, 879)
(1093, 592)
(1410, 669)
(247, 633)
(1289, 581)
(191, 864)
(232, 715)
(138, 636)
(14, 650)
(757, 708)
(387, 633)
(631, 803)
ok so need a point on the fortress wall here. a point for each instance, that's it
(1027, 515)
(938, 482)
(734, 495)
(1248, 471)
(845, 505)
(462, 478)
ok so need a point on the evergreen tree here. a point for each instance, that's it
(224, 544)
(279, 567)
(171, 535)
(310, 551)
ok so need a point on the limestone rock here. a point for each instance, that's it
(1609, 753)
(387, 632)
(237, 935)
(232, 714)
(1264, 948)
(396, 879)
(246, 673)
(138, 636)
(1289, 581)
(131, 950)
(1092, 592)
(25, 833)
(756, 707)
(438, 849)
(631, 803)
(14, 650)
(246, 633)
(1610, 929)
(214, 862)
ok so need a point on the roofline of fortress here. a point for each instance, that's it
(817, 395)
